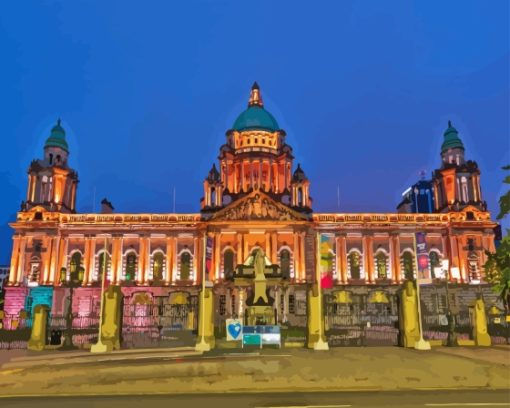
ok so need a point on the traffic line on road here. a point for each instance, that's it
(309, 406)
(469, 404)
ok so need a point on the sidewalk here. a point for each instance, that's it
(185, 371)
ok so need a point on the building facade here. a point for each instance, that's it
(255, 200)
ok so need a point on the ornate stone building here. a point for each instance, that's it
(255, 199)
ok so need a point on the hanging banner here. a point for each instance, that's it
(327, 257)
(422, 258)
(208, 255)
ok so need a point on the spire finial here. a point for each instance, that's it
(449, 123)
(58, 122)
(255, 96)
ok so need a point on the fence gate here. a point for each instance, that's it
(362, 317)
(160, 323)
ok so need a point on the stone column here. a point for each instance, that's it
(197, 259)
(267, 236)
(15, 259)
(297, 271)
(175, 259)
(368, 258)
(55, 248)
(217, 256)
(141, 259)
(251, 173)
(302, 255)
(169, 260)
(147, 260)
(243, 184)
(395, 256)
(461, 242)
(245, 247)
(260, 175)
(62, 258)
(338, 260)
(343, 257)
(87, 266)
(274, 248)
(239, 248)
(45, 259)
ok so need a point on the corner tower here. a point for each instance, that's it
(457, 182)
(256, 157)
(51, 182)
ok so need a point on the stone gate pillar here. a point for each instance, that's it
(206, 339)
(480, 333)
(410, 327)
(110, 330)
(314, 322)
(37, 340)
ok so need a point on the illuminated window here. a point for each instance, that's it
(75, 266)
(185, 266)
(381, 265)
(157, 266)
(104, 261)
(228, 263)
(408, 265)
(354, 260)
(292, 304)
(285, 262)
(434, 262)
(130, 266)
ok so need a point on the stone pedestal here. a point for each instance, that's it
(37, 340)
(410, 324)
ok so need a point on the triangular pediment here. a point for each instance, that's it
(258, 206)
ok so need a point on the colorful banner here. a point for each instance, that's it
(208, 255)
(326, 261)
(422, 258)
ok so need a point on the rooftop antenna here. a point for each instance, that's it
(174, 201)
(422, 174)
(94, 200)
(338, 197)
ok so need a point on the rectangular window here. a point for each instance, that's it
(292, 304)
(223, 304)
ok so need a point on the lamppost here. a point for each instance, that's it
(75, 280)
(451, 340)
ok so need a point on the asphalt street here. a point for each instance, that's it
(401, 399)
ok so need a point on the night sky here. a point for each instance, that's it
(147, 89)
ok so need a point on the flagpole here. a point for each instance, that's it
(203, 345)
(100, 347)
(421, 344)
(319, 344)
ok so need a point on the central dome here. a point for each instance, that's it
(256, 117)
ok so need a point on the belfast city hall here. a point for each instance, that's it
(256, 259)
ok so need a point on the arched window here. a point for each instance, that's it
(51, 158)
(103, 262)
(354, 260)
(381, 265)
(185, 266)
(75, 267)
(434, 263)
(464, 189)
(130, 267)
(213, 197)
(408, 265)
(35, 271)
(300, 197)
(228, 263)
(474, 270)
(157, 266)
(285, 262)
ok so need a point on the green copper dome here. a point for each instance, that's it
(256, 118)
(451, 139)
(57, 138)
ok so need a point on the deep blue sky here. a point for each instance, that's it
(147, 89)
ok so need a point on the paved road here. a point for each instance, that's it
(403, 399)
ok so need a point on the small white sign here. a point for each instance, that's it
(234, 329)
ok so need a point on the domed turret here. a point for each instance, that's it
(255, 117)
(451, 139)
(57, 138)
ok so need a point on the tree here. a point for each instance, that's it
(497, 267)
